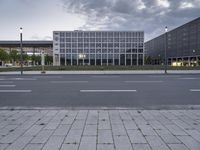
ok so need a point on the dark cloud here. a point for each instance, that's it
(148, 15)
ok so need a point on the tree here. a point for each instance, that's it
(48, 59)
(3, 55)
(14, 56)
(148, 60)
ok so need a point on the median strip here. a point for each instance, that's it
(106, 91)
(15, 91)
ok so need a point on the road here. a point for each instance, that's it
(99, 90)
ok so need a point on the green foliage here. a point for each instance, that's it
(14, 56)
(4, 56)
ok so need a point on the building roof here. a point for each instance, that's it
(26, 44)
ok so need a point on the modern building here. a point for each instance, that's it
(29, 47)
(98, 47)
(182, 46)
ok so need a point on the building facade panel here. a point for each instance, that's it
(183, 45)
(98, 47)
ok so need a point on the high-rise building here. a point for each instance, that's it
(98, 47)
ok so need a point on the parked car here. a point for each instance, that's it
(8, 65)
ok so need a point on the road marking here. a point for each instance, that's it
(143, 81)
(106, 91)
(6, 81)
(187, 78)
(194, 90)
(7, 85)
(15, 91)
(69, 81)
(23, 79)
(105, 76)
(47, 77)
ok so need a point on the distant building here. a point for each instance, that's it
(98, 48)
(183, 46)
(29, 47)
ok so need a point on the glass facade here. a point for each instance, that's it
(98, 47)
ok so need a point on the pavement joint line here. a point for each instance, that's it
(143, 81)
(194, 90)
(69, 81)
(15, 91)
(106, 91)
(7, 85)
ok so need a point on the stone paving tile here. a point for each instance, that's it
(130, 124)
(90, 130)
(62, 130)
(122, 143)
(102, 129)
(175, 130)
(20, 143)
(156, 143)
(189, 142)
(136, 136)
(69, 147)
(105, 147)
(178, 147)
(141, 147)
(54, 143)
(88, 143)
(104, 124)
(34, 147)
(167, 137)
(73, 137)
(195, 134)
(105, 137)
(12, 136)
(42, 137)
(118, 129)
(34, 130)
(3, 146)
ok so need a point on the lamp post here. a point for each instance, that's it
(166, 30)
(21, 55)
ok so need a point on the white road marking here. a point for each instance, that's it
(47, 77)
(69, 81)
(23, 79)
(15, 91)
(7, 85)
(194, 90)
(6, 81)
(143, 81)
(106, 91)
(187, 78)
(105, 76)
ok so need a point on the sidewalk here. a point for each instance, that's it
(107, 72)
(100, 129)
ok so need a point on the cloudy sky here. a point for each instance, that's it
(40, 17)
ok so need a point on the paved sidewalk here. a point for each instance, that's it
(100, 129)
(107, 72)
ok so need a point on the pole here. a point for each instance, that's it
(42, 61)
(166, 29)
(21, 56)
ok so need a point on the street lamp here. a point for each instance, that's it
(21, 56)
(166, 30)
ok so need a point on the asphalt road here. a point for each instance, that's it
(99, 90)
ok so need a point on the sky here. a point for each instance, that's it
(40, 17)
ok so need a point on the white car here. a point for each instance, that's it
(8, 65)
